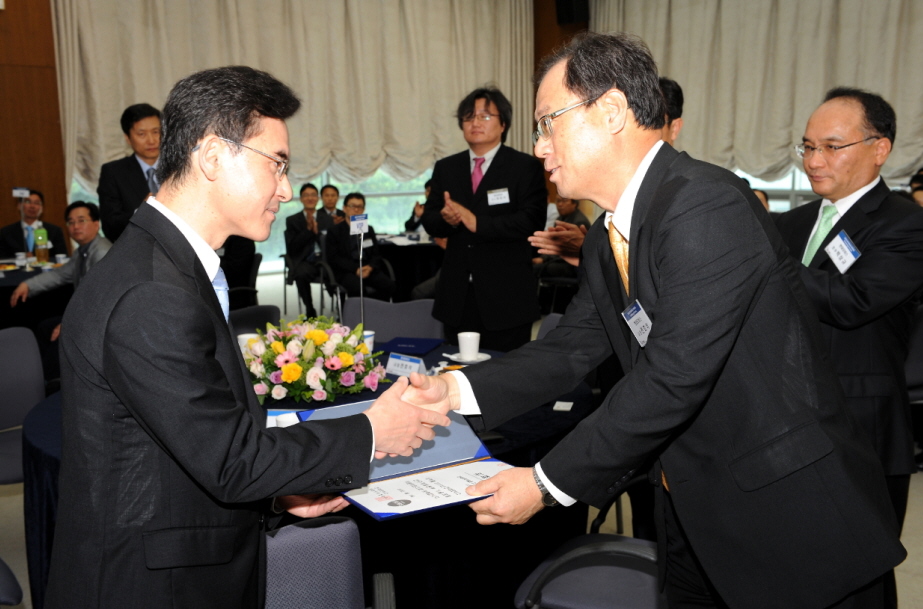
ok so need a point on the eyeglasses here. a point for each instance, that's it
(80, 221)
(484, 118)
(281, 164)
(543, 128)
(806, 151)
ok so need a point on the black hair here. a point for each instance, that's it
(428, 184)
(135, 113)
(92, 208)
(596, 63)
(488, 94)
(354, 195)
(880, 119)
(326, 186)
(307, 186)
(227, 102)
(672, 97)
(38, 193)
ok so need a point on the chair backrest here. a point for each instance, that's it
(248, 319)
(412, 319)
(22, 383)
(315, 563)
(548, 324)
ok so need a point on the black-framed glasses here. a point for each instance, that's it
(80, 221)
(806, 151)
(281, 164)
(543, 128)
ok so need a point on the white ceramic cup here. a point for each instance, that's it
(20, 258)
(468, 343)
(368, 337)
(243, 338)
(60, 258)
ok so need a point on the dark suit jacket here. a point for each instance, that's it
(342, 251)
(498, 256)
(781, 497)
(167, 463)
(122, 188)
(867, 313)
(325, 220)
(299, 241)
(13, 240)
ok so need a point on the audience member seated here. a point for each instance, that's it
(329, 216)
(302, 245)
(343, 255)
(415, 224)
(83, 227)
(237, 255)
(20, 236)
(549, 265)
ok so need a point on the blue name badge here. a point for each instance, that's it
(842, 251)
(403, 365)
(638, 322)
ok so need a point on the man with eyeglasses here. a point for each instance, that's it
(768, 495)
(866, 304)
(487, 200)
(20, 236)
(168, 471)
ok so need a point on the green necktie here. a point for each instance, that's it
(826, 223)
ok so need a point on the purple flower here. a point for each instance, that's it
(276, 377)
(348, 379)
(371, 381)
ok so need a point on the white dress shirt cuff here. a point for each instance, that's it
(562, 497)
(469, 404)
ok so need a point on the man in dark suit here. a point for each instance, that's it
(343, 255)
(167, 465)
(770, 495)
(328, 215)
(20, 236)
(301, 241)
(866, 310)
(124, 184)
(487, 200)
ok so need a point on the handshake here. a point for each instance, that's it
(404, 416)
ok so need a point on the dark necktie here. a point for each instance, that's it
(81, 255)
(152, 181)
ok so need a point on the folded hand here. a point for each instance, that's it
(563, 239)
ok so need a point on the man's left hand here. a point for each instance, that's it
(311, 506)
(515, 499)
(465, 216)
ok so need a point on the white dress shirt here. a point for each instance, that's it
(842, 206)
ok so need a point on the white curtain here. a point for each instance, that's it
(752, 72)
(380, 79)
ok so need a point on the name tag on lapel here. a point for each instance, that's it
(638, 322)
(842, 251)
(499, 196)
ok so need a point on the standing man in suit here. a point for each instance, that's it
(20, 236)
(168, 470)
(866, 310)
(300, 244)
(770, 495)
(487, 200)
(124, 184)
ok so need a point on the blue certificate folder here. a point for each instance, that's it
(410, 346)
(453, 445)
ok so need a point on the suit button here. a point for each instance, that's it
(338, 481)
(470, 246)
(610, 490)
(348, 479)
(329, 482)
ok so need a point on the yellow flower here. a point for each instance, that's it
(277, 346)
(318, 336)
(362, 348)
(291, 373)
(346, 358)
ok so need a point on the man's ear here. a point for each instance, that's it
(209, 155)
(615, 107)
(675, 127)
(882, 150)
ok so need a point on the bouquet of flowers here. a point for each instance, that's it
(315, 359)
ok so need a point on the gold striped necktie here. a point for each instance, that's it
(620, 251)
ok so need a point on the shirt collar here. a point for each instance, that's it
(205, 253)
(621, 217)
(35, 225)
(487, 156)
(843, 205)
(145, 166)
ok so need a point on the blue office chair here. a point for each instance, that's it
(10, 592)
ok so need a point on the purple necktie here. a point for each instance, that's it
(477, 175)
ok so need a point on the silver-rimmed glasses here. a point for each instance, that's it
(281, 164)
(543, 128)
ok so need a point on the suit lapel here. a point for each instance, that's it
(602, 264)
(856, 219)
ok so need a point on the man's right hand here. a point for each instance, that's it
(436, 392)
(20, 294)
(399, 426)
(563, 239)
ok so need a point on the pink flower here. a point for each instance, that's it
(371, 381)
(260, 389)
(275, 377)
(348, 379)
(359, 367)
(279, 392)
(333, 363)
(379, 370)
(319, 362)
(320, 395)
(285, 357)
(359, 356)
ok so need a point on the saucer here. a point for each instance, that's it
(456, 357)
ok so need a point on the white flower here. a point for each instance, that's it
(352, 341)
(257, 369)
(257, 347)
(329, 348)
(336, 338)
(279, 392)
(314, 377)
(294, 347)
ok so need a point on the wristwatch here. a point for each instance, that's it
(548, 499)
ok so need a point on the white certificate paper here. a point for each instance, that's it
(423, 491)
